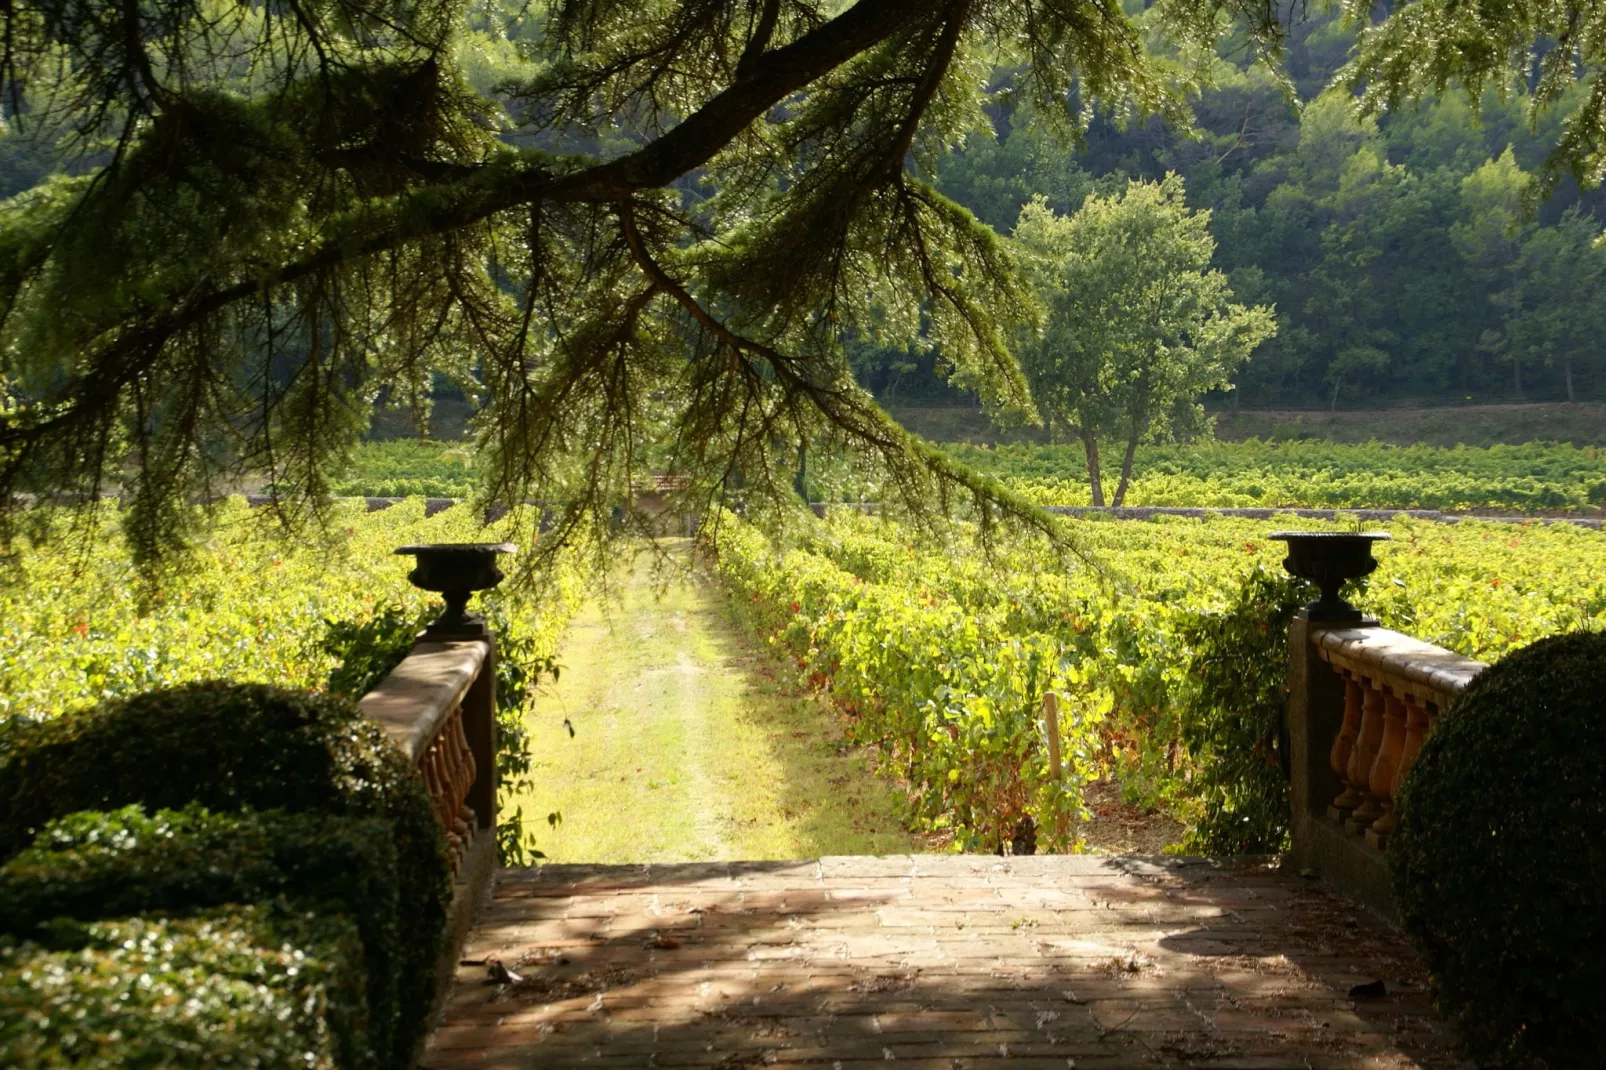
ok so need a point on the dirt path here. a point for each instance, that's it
(688, 747)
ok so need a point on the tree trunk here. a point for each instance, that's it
(1567, 372)
(1090, 443)
(1126, 470)
(1333, 406)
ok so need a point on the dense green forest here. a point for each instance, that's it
(1407, 258)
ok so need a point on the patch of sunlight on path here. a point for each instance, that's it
(689, 746)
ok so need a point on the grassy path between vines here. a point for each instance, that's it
(688, 745)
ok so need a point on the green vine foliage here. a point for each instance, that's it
(366, 650)
(948, 693)
(942, 663)
(1234, 701)
(520, 665)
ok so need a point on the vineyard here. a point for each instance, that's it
(1168, 647)
(330, 609)
(406, 467)
(1164, 636)
(1536, 477)
(1533, 478)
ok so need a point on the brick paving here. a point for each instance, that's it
(934, 961)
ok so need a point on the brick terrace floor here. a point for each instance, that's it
(934, 961)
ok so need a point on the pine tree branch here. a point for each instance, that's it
(763, 30)
(864, 421)
(496, 188)
(931, 79)
(830, 401)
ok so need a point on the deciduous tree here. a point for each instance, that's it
(1563, 315)
(1139, 325)
(1490, 238)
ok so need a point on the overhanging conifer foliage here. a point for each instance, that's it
(299, 204)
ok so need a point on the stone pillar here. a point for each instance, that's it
(1315, 715)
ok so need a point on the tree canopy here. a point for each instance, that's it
(1139, 325)
(656, 227)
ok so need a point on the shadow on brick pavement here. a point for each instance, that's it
(934, 961)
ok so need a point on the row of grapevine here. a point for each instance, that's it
(949, 694)
(941, 654)
(1533, 478)
(410, 467)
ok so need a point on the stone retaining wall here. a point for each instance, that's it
(1125, 512)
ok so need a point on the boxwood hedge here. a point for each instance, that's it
(1499, 862)
(230, 747)
(93, 865)
(248, 988)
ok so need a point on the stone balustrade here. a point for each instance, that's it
(1395, 687)
(439, 707)
(429, 707)
(1362, 699)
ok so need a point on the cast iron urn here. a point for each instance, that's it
(1330, 559)
(455, 570)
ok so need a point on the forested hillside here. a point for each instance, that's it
(1401, 256)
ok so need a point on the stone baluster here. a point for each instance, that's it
(1344, 746)
(463, 763)
(430, 766)
(1418, 719)
(1362, 758)
(458, 760)
(446, 805)
(1386, 768)
(443, 802)
(470, 767)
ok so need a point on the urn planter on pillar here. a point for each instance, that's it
(1330, 559)
(455, 570)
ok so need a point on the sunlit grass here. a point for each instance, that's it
(687, 745)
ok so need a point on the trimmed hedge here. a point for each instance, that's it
(1499, 862)
(253, 988)
(231, 747)
(94, 865)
